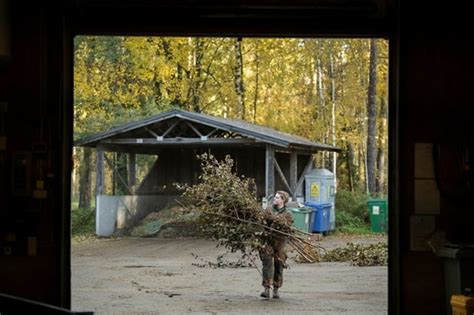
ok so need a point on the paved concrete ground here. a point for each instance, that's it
(157, 276)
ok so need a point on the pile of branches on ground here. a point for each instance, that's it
(359, 254)
(231, 215)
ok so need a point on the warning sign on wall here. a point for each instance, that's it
(314, 190)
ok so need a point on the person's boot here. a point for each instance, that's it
(265, 293)
(275, 293)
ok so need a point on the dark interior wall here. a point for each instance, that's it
(432, 61)
(435, 97)
(180, 165)
(31, 228)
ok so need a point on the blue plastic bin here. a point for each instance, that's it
(320, 216)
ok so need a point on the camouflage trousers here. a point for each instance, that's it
(273, 261)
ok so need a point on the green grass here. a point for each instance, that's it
(358, 230)
(82, 221)
(75, 204)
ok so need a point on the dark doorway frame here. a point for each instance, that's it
(181, 18)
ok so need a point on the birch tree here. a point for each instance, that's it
(333, 116)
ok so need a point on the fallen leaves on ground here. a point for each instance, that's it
(359, 254)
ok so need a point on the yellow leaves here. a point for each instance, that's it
(115, 74)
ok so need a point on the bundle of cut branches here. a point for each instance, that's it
(231, 215)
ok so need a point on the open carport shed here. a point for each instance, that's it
(276, 160)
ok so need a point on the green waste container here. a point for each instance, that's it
(301, 218)
(378, 215)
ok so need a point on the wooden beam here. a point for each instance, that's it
(152, 132)
(171, 128)
(124, 183)
(282, 176)
(294, 175)
(212, 132)
(308, 167)
(133, 148)
(99, 186)
(194, 128)
(297, 151)
(99, 181)
(240, 130)
(139, 141)
(158, 148)
(269, 171)
(132, 169)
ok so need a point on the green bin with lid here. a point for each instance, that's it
(378, 215)
(301, 218)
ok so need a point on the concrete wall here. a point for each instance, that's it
(123, 212)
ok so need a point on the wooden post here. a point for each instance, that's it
(131, 170)
(294, 175)
(99, 186)
(269, 171)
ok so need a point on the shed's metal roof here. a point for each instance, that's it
(253, 131)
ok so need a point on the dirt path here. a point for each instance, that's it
(157, 276)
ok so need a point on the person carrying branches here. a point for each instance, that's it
(273, 254)
(230, 214)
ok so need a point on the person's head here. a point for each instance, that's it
(281, 198)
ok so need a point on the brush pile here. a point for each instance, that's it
(230, 214)
(359, 254)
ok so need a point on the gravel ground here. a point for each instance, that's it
(157, 276)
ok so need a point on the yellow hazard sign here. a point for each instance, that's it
(314, 190)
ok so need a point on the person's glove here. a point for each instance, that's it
(268, 217)
(269, 221)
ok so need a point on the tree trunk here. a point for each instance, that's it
(366, 174)
(380, 169)
(325, 163)
(333, 118)
(255, 98)
(382, 147)
(362, 167)
(194, 96)
(320, 109)
(85, 179)
(350, 165)
(238, 79)
(371, 114)
(319, 82)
